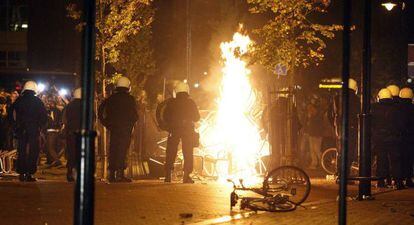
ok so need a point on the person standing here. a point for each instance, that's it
(387, 126)
(118, 113)
(407, 150)
(315, 121)
(3, 123)
(29, 116)
(72, 124)
(54, 124)
(180, 114)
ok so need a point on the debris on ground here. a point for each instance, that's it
(186, 215)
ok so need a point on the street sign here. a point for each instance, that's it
(281, 70)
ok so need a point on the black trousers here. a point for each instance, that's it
(52, 146)
(388, 160)
(28, 148)
(119, 142)
(407, 159)
(172, 149)
(72, 152)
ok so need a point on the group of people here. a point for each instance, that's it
(37, 121)
(6, 132)
(32, 116)
(393, 136)
(316, 124)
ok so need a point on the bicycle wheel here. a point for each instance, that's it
(329, 160)
(271, 205)
(288, 181)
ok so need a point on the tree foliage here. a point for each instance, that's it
(116, 22)
(290, 38)
(137, 59)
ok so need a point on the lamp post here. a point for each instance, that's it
(85, 182)
(364, 189)
(346, 53)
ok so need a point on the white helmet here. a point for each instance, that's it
(406, 93)
(394, 89)
(77, 93)
(352, 84)
(123, 82)
(30, 86)
(384, 94)
(182, 87)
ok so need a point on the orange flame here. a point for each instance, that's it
(231, 133)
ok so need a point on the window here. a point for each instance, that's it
(12, 59)
(13, 15)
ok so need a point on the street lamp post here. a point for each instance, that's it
(85, 182)
(346, 52)
(364, 190)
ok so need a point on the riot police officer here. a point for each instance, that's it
(180, 114)
(407, 150)
(118, 113)
(28, 115)
(387, 124)
(72, 124)
(395, 92)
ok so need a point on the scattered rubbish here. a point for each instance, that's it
(314, 207)
(186, 215)
(330, 177)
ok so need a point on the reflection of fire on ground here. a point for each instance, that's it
(231, 134)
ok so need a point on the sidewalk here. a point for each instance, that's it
(155, 203)
(394, 207)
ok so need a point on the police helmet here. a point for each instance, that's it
(123, 82)
(30, 86)
(394, 89)
(77, 94)
(406, 93)
(384, 94)
(182, 87)
(352, 84)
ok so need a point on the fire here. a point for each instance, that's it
(231, 134)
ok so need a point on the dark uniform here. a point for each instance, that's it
(407, 150)
(387, 129)
(29, 115)
(180, 115)
(118, 114)
(72, 122)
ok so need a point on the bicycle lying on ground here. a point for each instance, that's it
(282, 190)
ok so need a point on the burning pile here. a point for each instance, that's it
(231, 133)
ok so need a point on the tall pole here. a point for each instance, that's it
(188, 39)
(346, 45)
(364, 189)
(85, 186)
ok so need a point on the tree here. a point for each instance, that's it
(290, 38)
(116, 22)
(136, 59)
